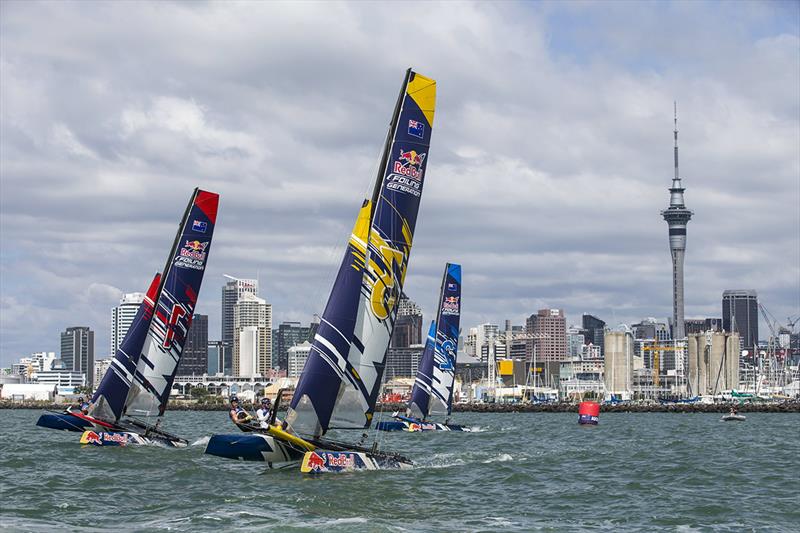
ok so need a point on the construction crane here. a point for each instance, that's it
(657, 349)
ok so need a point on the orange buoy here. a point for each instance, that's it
(588, 413)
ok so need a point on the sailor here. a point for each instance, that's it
(237, 412)
(83, 405)
(264, 412)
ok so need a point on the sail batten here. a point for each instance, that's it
(359, 317)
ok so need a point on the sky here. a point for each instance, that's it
(550, 159)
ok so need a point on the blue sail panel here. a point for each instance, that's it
(180, 287)
(447, 329)
(419, 404)
(342, 378)
(108, 401)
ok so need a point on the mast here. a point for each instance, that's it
(387, 145)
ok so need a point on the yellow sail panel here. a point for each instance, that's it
(423, 91)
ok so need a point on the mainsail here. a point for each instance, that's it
(436, 371)
(177, 297)
(342, 377)
(108, 402)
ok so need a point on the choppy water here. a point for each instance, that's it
(521, 472)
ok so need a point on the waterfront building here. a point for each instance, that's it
(287, 334)
(594, 330)
(549, 326)
(575, 339)
(713, 362)
(408, 325)
(470, 344)
(618, 363)
(36, 362)
(122, 317)
(296, 358)
(403, 362)
(100, 368)
(61, 375)
(195, 352)
(251, 311)
(740, 315)
(677, 216)
(651, 329)
(232, 291)
(217, 360)
(77, 351)
(701, 325)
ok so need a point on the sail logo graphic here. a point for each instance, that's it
(448, 347)
(192, 255)
(450, 305)
(409, 164)
(416, 128)
(341, 460)
(199, 226)
(451, 286)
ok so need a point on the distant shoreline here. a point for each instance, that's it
(782, 407)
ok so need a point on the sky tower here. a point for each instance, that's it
(677, 216)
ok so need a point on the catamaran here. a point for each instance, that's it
(433, 386)
(139, 380)
(341, 380)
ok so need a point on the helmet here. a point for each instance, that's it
(266, 401)
(234, 399)
(80, 398)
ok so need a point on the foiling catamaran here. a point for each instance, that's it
(433, 386)
(140, 377)
(340, 383)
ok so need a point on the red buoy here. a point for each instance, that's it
(588, 413)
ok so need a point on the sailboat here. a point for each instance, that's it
(139, 380)
(342, 378)
(433, 386)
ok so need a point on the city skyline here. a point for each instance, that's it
(544, 185)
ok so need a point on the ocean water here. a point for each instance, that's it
(518, 472)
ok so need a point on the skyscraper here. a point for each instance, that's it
(77, 351)
(287, 334)
(550, 328)
(677, 217)
(252, 312)
(740, 315)
(122, 316)
(594, 331)
(231, 292)
(408, 325)
(216, 358)
(194, 360)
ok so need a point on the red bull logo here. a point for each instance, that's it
(90, 437)
(315, 462)
(450, 305)
(197, 246)
(409, 164)
(192, 255)
(341, 460)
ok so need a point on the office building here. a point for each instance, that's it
(232, 291)
(408, 326)
(740, 315)
(297, 356)
(122, 317)
(217, 363)
(549, 326)
(251, 311)
(594, 330)
(194, 360)
(77, 351)
(286, 335)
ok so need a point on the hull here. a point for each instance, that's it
(253, 447)
(324, 461)
(734, 418)
(413, 425)
(127, 438)
(63, 422)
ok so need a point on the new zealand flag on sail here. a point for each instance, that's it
(416, 128)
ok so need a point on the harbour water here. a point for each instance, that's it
(518, 472)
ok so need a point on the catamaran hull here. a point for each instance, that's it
(128, 438)
(418, 425)
(324, 461)
(63, 422)
(253, 447)
(734, 418)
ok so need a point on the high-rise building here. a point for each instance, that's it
(549, 326)
(122, 317)
(251, 311)
(403, 362)
(296, 358)
(677, 216)
(231, 292)
(594, 331)
(100, 368)
(408, 325)
(701, 325)
(287, 334)
(216, 359)
(194, 360)
(77, 351)
(740, 315)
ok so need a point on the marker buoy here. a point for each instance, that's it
(588, 413)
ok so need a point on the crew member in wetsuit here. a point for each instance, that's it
(237, 413)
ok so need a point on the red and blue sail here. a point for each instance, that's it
(342, 377)
(108, 402)
(433, 386)
(174, 307)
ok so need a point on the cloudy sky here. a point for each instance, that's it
(550, 160)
